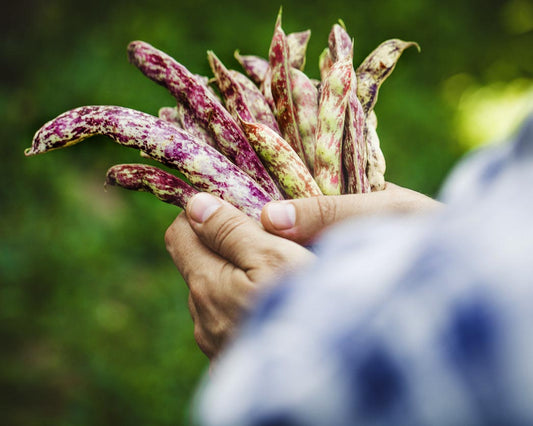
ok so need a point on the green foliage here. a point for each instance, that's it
(94, 320)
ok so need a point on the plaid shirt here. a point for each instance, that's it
(424, 320)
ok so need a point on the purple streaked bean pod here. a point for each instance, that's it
(281, 89)
(376, 67)
(297, 47)
(209, 112)
(330, 127)
(142, 177)
(289, 170)
(255, 100)
(266, 90)
(340, 43)
(376, 166)
(171, 115)
(205, 167)
(231, 91)
(254, 66)
(354, 149)
(189, 123)
(305, 100)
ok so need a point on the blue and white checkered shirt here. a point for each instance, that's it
(424, 320)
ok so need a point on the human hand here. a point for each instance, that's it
(303, 220)
(225, 257)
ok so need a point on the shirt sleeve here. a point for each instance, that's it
(420, 320)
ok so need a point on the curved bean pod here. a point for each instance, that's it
(229, 88)
(254, 66)
(297, 48)
(256, 101)
(209, 112)
(205, 167)
(376, 68)
(142, 177)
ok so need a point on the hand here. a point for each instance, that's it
(303, 220)
(225, 257)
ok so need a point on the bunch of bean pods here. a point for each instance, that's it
(269, 133)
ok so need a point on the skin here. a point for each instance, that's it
(226, 258)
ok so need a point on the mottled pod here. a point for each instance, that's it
(305, 100)
(266, 90)
(254, 66)
(332, 106)
(282, 89)
(190, 123)
(142, 177)
(209, 112)
(339, 43)
(354, 149)
(256, 101)
(204, 167)
(229, 88)
(376, 67)
(376, 166)
(297, 47)
(285, 165)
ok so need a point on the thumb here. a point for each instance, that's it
(303, 220)
(224, 229)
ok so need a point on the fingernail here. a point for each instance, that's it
(282, 215)
(201, 206)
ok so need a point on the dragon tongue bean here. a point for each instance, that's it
(142, 177)
(206, 168)
(208, 110)
(290, 171)
(281, 89)
(376, 67)
(297, 48)
(339, 43)
(254, 66)
(330, 127)
(354, 148)
(256, 101)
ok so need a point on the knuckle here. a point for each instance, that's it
(225, 231)
(327, 209)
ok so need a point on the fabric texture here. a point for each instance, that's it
(422, 320)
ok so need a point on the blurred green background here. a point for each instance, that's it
(94, 324)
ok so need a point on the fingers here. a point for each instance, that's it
(241, 240)
(303, 220)
(187, 251)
